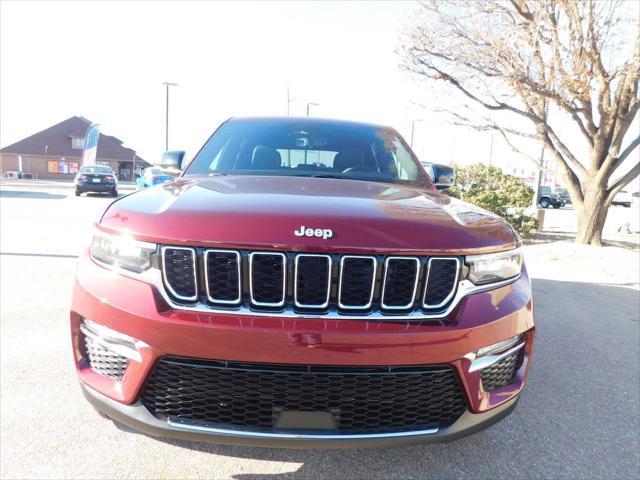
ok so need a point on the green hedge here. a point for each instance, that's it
(504, 195)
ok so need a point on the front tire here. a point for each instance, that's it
(114, 193)
(77, 193)
(556, 205)
(544, 203)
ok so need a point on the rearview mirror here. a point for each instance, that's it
(172, 159)
(443, 176)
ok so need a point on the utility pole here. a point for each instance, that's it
(166, 125)
(536, 195)
(309, 105)
(413, 129)
(491, 151)
(288, 102)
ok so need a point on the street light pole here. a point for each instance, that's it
(536, 195)
(166, 125)
(491, 151)
(413, 128)
(309, 105)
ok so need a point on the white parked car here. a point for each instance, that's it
(622, 198)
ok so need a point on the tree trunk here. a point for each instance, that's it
(591, 217)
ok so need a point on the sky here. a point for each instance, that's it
(107, 61)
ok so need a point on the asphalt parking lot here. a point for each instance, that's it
(578, 417)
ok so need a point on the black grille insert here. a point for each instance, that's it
(442, 275)
(400, 282)
(267, 272)
(501, 373)
(312, 281)
(223, 276)
(365, 400)
(357, 280)
(102, 360)
(180, 272)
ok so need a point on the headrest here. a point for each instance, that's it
(265, 158)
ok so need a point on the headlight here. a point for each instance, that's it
(122, 251)
(494, 267)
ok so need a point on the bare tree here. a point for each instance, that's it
(530, 63)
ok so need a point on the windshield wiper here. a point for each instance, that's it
(320, 175)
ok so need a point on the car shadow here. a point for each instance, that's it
(584, 378)
(31, 194)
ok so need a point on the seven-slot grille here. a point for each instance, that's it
(254, 396)
(348, 284)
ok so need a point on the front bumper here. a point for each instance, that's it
(136, 308)
(137, 417)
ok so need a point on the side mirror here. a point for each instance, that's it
(172, 159)
(443, 176)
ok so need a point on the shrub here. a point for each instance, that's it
(504, 195)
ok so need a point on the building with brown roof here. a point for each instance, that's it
(56, 153)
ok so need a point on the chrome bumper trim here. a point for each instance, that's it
(488, 360)
(112, 340)
(299, 436)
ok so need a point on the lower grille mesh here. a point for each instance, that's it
(104, 361)
(254, 395)
(501, 373)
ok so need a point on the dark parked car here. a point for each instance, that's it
(303, 283)
(549, 197)
(96, 178)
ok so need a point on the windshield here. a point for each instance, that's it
(96, 169)
(308, 149)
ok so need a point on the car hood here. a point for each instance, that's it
(263, 212)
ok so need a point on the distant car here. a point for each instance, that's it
(96, 178)
(155, 176)
(548, 197)
(622, 198)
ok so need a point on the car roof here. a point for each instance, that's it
(304, 120)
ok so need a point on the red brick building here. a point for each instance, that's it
(55, 153)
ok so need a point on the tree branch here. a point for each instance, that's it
(622, 182)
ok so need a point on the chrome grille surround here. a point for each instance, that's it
(464, 288)
(387, 261)
(344, 259)
(258, 303)
(167, 283)
(206, 276)
(425, 305)
(325, 304)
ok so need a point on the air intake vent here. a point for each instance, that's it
(104, 361)
(360, 399)
(254, 281)
(312, 281)
(179, 271)
(223, 276)
(442, 279)
(357, 281)
(400, 282)
(501, 373)
(267, 274)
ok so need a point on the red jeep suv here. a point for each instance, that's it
(302, 284)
